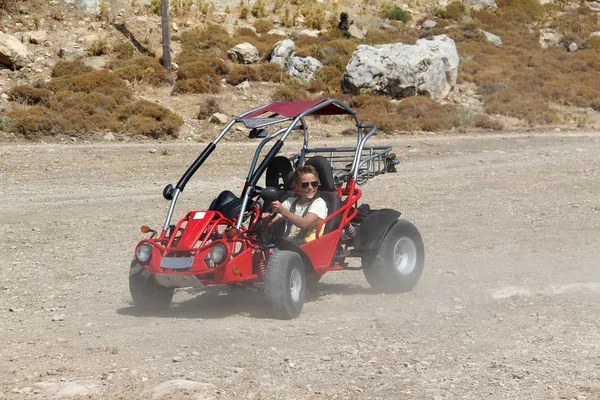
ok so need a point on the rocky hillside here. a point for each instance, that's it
(91, 68)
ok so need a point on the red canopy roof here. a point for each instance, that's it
(295, 108)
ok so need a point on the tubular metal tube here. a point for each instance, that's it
(360, 147)
(171, 208)
(238, 224)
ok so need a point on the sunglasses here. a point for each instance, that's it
(313, 184)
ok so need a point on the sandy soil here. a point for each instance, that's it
(508, 306)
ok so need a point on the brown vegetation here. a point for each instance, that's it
(208, 108)
(78, 101)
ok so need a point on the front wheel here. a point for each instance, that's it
(145, 292)
(398, 264)
(285, 284)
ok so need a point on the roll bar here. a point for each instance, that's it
(255, 172)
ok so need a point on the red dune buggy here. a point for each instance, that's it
(226, 244)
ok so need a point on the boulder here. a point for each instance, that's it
(12, 52)
(70, 53)
(573, 47)
(303, 68)
(311, 33)
(429, 24)
(244, 53)
(400, 70)
(218, 118)
(282, 52)
(355, 32)
(495, 40)
(549, 38)
(36, 37)
(481, 4)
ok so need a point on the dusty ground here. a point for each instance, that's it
(508, 306)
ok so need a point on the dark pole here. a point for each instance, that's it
(166, 39)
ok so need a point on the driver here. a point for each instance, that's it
(302, 214)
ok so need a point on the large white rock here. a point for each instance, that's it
(12, 52)
(481, 4)
(244, 53)
(303, 68)
(401, 70)
(282, 52)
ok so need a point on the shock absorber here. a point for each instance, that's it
(350, 231)
(259, 261)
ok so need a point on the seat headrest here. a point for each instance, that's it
(325, 171)
(280, 174)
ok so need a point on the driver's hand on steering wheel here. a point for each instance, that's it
(276, 207)
(266, 218)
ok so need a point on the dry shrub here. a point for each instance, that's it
(87, 103)
(326, 78)
(244, 32)
(124, 51)
(430, 115)
(522, 10)
(314, 15)
(197, 77)
(149, 119)
(35, 122)
(337, 53)
(454, 11)
(98, 47)
(513, 104)
(213, 38)
(486, 122)
(102, 81)
(290, 91)
(30, 95)
(377, 110)
(241, 73)
(141, 69)
(263, 25)
(70, 68)
(208, 108)
(412, 113)
(272, 72)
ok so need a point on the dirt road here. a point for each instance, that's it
(508, 306)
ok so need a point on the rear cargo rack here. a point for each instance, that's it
(374, 160)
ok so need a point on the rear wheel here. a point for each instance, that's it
(285, 284)
(145, 292)
(397, 265)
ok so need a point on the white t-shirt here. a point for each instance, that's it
(318, 207)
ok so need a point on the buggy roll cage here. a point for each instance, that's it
(295, 112)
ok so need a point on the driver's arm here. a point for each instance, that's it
(307, 222)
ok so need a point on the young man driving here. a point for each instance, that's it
(304, 213)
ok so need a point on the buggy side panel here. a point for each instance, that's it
(373, 228)
(322, 250)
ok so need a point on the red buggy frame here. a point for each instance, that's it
(226, 245)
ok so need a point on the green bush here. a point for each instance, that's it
(397, 14)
